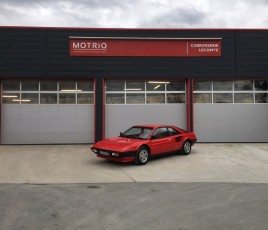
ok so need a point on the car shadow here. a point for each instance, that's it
(158, 158)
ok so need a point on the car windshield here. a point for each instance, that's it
(137, 132)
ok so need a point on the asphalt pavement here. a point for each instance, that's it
(132, 206)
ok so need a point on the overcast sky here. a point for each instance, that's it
(135, 13)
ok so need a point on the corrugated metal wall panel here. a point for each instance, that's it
(30, 52)
(23, 53)
(252, 53)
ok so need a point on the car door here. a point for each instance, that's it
(161, 142)
(175, 139)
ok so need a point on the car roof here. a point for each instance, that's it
(154, 125)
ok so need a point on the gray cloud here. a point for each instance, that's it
(135, 13)
(55, 3)
(91, 13)
(179, 17)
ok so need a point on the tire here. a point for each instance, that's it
(142, 156)
(186, 148)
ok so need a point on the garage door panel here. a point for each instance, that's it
(48, 112)
(121, 117)
(231, 122)
(47, 124)
(132, 102)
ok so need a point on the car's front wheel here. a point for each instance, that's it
(186, 148)
(143, 155)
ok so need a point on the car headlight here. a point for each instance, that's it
(94, 150)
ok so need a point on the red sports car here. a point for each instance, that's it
(141, 142)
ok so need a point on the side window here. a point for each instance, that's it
(160, 133)
(172, 132)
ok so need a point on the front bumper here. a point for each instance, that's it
(114, 155)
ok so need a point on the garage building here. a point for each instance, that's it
(80, 85)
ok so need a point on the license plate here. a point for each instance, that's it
(104, 153)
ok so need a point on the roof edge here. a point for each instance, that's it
(133, 29)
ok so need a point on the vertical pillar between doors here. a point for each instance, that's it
(190, 106)
(99, 110)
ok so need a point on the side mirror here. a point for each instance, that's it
(121, 134)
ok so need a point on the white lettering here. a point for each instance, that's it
(83, 45)
(103, 45)
(76, 45)
(90, 45)
(199, 45)
(208, 50)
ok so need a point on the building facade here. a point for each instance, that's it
(79, 85)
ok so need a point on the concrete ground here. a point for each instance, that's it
(56, 164)
(55, 187)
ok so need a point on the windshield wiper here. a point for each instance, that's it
(132, 136)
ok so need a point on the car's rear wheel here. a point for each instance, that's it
(186, 148)
(143, 155)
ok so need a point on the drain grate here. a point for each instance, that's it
(93, 186)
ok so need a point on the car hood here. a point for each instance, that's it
(119, 144)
